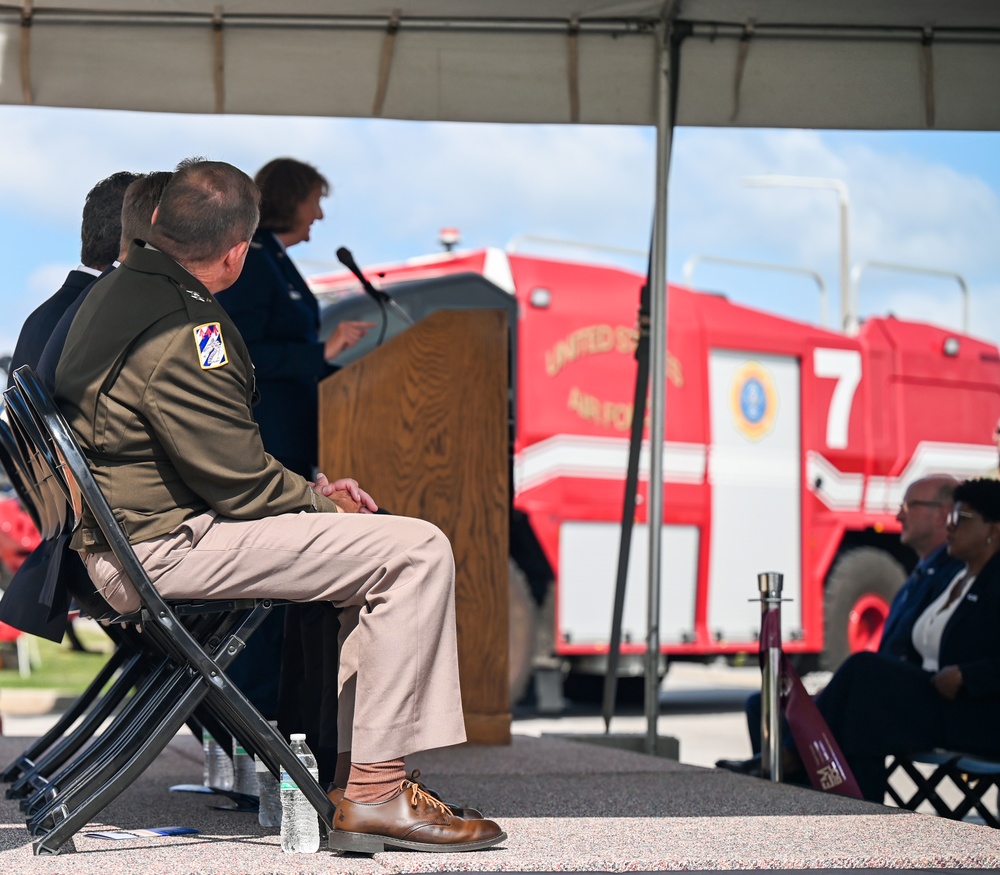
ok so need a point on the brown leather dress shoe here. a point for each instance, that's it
(335, 794)
(410, 821)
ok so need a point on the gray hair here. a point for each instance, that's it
(206, 209)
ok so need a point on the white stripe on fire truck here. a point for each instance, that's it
(601, 459)
(595, 458)
(840, 491)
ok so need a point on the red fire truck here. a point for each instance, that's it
(788, 448)
(18, 537)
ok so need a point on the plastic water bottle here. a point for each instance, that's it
(244, 772)
(269, 812)
(218, 771)
(299, 821)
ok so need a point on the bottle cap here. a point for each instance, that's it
(297, 736)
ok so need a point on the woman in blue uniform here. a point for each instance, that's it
(278, 317)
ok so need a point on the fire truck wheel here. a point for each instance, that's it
(521, 630)
(859, 590)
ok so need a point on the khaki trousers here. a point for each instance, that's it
(393, 578)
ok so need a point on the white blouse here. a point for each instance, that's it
(930, 624)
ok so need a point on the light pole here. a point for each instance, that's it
(848, 313)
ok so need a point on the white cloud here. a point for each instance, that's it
(396, 183)
(904, 209)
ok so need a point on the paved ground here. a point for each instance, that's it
(567, 806)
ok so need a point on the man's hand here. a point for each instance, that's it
(948, 681)
(346, 494)
(344, 336)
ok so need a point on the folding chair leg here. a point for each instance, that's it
(148, 731)
(926, 787)
(63, 830)
(98, 748)
(27, 759)
(102, 769)
(974, 788)
(52, 760)
(102, 748)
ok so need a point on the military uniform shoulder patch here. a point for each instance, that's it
(211, 348)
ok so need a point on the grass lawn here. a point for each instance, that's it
(59, 668)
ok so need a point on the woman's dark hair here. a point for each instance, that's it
(285, 183)
(982, 496)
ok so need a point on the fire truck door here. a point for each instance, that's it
(754, 469)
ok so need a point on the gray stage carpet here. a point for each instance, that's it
(567, 806)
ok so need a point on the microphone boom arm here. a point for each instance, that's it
(347, 259)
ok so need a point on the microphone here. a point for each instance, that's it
(345, 258)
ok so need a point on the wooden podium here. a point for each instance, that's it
(421, 424)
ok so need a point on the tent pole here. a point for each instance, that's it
(666, 61)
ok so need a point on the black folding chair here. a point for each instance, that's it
(925, 785)
(974, 775)
(194, 641)
(29, 772)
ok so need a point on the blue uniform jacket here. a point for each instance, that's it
(278, 317)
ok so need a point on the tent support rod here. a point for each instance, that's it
(26, 21)
(832, 32)
(666, 83)
(335, 22)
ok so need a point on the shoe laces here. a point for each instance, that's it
(419, 795)
(412, 778)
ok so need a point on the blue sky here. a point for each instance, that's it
(923, 199)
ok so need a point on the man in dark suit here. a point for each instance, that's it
(141, 198)
(100, 236)
(37, 599)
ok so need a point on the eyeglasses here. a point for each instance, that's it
(906, 506)
(956, 516)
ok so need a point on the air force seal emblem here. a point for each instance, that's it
(753, 400)
(211, 349)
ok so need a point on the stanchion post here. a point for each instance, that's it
(770, 584)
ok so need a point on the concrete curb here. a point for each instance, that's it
(33, 702)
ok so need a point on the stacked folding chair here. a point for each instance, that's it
(171, 656)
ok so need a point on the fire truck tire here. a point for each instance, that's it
(859, 590)
(521, 629)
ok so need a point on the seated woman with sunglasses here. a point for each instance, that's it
(876, 706)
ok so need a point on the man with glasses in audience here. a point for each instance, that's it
(924, 518)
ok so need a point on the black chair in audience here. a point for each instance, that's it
(38, 773)
(186, 646)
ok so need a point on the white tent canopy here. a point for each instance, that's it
(913, 64)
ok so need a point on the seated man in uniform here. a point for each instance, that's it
(157, 384)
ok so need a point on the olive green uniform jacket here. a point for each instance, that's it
(157, 384)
